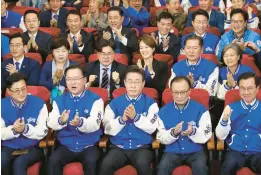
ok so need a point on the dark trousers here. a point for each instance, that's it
(234, 161)
(62, 156)
(117, 158)
(197, 161)
(21, 162)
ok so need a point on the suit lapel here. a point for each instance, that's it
(24, 66)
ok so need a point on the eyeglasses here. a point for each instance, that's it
(73, 79)
(133, 82)
(250, 89)
(181, 93)
(15, 45)
(236, 21)
(106, 54)
(17, 91)
(201, 22)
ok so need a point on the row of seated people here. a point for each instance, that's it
(202, 73)
(183, 126)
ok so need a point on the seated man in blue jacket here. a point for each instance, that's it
(23, 124)
(184, 125)
(76, 116)
(240, 126)
(20, 63)
(130, 119)
(137, 15)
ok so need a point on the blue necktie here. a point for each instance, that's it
(162, 2)
(74, 43)
(17, 64)
(3, 19)
(55, 17)
(117, 44)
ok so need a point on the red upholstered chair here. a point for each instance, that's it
(78, 58)
(248, 60)
(231, 97)
(85, 3)
(70, 8)
(10, 31)
(44, 94)
(53, 31)
(149, 30)
(201, 96)
(209, 57)
(34, 56)
(120, 58)
(213, 30)
(153, 11)
(22, 9)
(137, 32)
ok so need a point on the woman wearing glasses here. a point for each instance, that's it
(52, 74)
(156, 72)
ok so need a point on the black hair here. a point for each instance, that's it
(31, 11)
(241, 11)
(77, 66)
(135, 69)
(200, 12)
(74, 12)
(180, 78)
(194, 37)
(104, 43)
(248, 75)
(17, 35)
(13, 78)
(60, 42)
(115, 8)
(165, 15)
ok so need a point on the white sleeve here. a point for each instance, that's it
(253, 23)
(185, 4)
(21, 25)
(229, 3)
(222, 6)
(211, 85)
(81, 48)
(53, 119)
(258, 6)
(221, 91)
(124, 40)
(148, 123)
(166, 137)
(203, 132)
(227, 24)
(7, 133)
(40, 130)
(173, 75)
(223, 128)
(112, 125)
(93, 122)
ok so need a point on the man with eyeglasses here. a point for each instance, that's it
(37, 41)
(240, 126)
(239, 34)
(184, 126)
(23, 124)
(200, 23)
(130, 119)
(105, 72)
(19, 63)
(202, 73)
(76, 117)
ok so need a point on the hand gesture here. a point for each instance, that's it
(252, 46)
(65, 115)
(29, 44)
(77, 2)
(34, 45)
(117, 32)
(11, 68)
(46, 6)
(116, 2)
(76, 120)
(116, 77)
(53, 23)
(249, 11)
(70, 40)
(154, 37)
(188, 131)
(106, 35)
(19, 125)
(178, 128)
(230, 80)
(227, 113)
(79, 39)
(92, 78)
(191, 78)
(125, 4)
(165, 43)
(139, 64)
(228, 11)
(130, 112)
(241, 44)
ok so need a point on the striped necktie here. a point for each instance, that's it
(105, 78)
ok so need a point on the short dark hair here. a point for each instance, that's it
(200, 12)
(194, 37)
(135, 69)
(74, 12)
(31, 11)
(13, 78)
(76, 66)
(115, 8)
(104, 43)
(241, 11)
(17, 35)
(180, 78)
(60, 42)
(165, 15)
(248, 75)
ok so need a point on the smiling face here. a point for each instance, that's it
(200, 24)
(205, 4)
(180, 92)
(248, 90)
(164, 26)
(136, 4)
(231, 57)
(3, 7)
(75, 81)
(134, 84)
(18, 91)
(55, 5)
(60, 54)
(115, 20)
(193, 50)
(17, 48)
(32, 22)
(173, 6)
(238, 24)
(74, 23)
(146, 51)
(106, 56)
(94, 5)
(237, 4)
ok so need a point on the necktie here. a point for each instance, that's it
(17, 66)
(55, 17)
(162, 2)
(74, 43)
(162, 39)
(117, 44)
(105, 79)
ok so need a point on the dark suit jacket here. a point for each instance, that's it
(43, 40)
(257, 57)
(132, 43)
(216, 19)
(46, 16)
(88, 41)
(174, 46)
(93, 68)
(30, 68)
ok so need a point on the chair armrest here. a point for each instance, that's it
(155, 144)
(51, 139)
(220, 145)
(103, 142)
(43, 142)
(211, 142)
